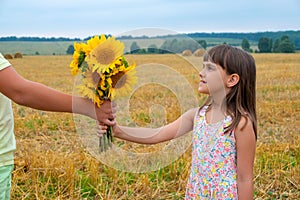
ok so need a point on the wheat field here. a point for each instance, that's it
(52, 163)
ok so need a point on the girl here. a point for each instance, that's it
(224, 128)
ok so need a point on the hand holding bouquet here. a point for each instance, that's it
(105, 73)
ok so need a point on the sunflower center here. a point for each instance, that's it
(119, 80)
(96, 78)
(104, 55)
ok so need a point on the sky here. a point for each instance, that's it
(83, 18)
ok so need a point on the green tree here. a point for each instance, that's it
(265, 45)
(276, 46)
(153, 49)
(203, 43)
(175, 46)
(284, 37)
(134, 48)
(70, 49)
(246, 45)
(179, 45)
(286, 45)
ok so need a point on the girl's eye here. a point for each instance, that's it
(209, 66)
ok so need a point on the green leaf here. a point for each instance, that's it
(81, 58)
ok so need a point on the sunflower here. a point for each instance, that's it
(76, 58)
(92, 79)
(90, 93)
(105, 55)
(93, 43)
(122, 82)
(74, 68)
(104, 70)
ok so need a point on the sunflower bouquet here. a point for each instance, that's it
(105, 73)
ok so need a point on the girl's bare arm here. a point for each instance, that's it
(173, 130)
(245, 145)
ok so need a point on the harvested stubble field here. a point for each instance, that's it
(51, 162)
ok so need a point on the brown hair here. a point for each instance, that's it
(241, 99)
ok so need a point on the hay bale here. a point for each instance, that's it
(8, 56)
(18, 55)
(187, 52)
(199, 52)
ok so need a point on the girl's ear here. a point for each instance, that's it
(232, 80)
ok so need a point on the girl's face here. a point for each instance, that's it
(213, 79)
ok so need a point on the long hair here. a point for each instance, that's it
(241, 99)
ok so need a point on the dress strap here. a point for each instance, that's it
(203, 111)
(227, 121)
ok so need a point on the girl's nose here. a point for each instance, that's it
(201, 74)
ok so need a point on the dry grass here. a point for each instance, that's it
(51, 163)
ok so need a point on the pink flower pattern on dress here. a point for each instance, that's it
(213, 171)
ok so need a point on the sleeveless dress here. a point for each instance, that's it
(213, 170)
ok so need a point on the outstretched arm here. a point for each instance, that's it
(39, 96)
(173, 130)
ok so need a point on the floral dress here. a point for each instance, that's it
(213, 171)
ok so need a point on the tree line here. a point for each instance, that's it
(178, 45)
(294, 36)
(266, 45)
(273, 35)
(266, 42)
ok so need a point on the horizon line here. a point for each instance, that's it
(140, 36)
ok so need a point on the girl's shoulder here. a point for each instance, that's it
(245, 122)
(244, 127)
(190, 114)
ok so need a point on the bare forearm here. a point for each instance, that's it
(139, 135)
(245, 190)
(179, 127)
(41, 97)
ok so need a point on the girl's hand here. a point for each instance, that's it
(111, 108)
(101, 130)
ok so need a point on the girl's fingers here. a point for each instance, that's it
(101, 130)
